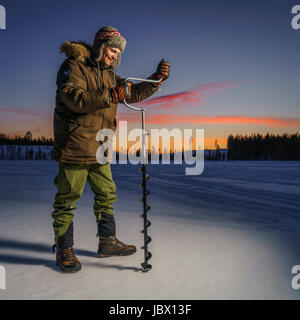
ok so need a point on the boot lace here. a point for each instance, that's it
(119, 243)
(69, 254)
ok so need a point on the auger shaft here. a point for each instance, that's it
(147, 254)
(147, 223)
(147, 239)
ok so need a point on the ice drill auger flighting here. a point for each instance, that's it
(145, 177)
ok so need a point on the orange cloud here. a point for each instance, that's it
(195, 119)
(194, 97)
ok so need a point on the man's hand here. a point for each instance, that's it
(120, 92)
(163, 70)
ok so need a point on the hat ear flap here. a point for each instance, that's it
(97, 50)
(117, 62)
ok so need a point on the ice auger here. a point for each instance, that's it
(147, 239)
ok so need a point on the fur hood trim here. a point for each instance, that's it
(79, 51)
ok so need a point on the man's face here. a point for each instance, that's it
(109, 54)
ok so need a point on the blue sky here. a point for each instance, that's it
(248, 43)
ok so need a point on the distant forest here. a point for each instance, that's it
(268, 147)
(26, 140)
(239, 147)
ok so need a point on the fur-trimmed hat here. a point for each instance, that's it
(109, 37)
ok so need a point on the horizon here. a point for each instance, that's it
(151, 148)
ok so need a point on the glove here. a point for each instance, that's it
(163, 70)
(120, 92)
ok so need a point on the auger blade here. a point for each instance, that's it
(149, 239)
(149, 256)
(147, 226)
(146, 266)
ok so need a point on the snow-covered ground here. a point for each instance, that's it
(231, 233)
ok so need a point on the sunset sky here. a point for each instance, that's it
(234, 63)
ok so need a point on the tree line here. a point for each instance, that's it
(26, 140)
(268, 147)
(239, 147)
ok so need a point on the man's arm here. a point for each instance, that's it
(144, 90)
(139, 91)
(72, 87)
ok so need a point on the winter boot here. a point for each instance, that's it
(65, 256)
(66, 260)
(111, 246)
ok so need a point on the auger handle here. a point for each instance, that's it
(143, 80)
(143, 115)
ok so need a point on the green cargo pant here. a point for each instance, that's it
(70, 182)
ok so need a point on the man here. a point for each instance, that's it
(87, 97)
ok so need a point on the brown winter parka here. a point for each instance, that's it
(83, 104)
